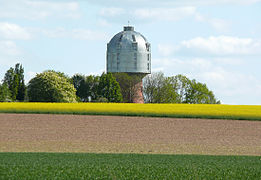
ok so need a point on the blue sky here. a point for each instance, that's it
(217, 42)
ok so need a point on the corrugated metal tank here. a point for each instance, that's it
(129, 52)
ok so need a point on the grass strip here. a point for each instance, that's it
(127, 166)
(211, 111)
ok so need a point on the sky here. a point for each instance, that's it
(217, 42)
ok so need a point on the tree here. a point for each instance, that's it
(154, 88)
(14, 79)
(14, 87)
(176, 89)
(109, 88)
(86, 87)
(19, 70)
(79, 84)
(4, 93)
(198, 93)
(51, 86)
(9, 82)
(93, 87)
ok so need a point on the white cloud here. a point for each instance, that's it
(112, 11)
(233, 86)
(33, 10)
(164, 14)
(86, 34)
(104, 23)
(223, 45)
(81, 34)
(161, 14)
(148, 14)
(9, 48)
(9, 54)
(181, 65)
(167, 49)
(13, 31)
(218, 24)
(214, 45)
(168, 3)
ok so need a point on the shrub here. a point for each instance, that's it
(51, 86)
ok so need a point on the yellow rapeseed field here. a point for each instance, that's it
(248, 112)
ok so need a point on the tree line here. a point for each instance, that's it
(176, 89)
(53, 86)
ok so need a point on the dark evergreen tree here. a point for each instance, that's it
(14, 79)
(109, 88)
(4, 93)
(19, 70)
(86, 86)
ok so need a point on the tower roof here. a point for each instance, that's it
(126, 38)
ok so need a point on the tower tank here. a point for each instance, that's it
(130, 52)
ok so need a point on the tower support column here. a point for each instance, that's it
(137, 89)
(138, 93)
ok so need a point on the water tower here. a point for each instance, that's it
(130, 52)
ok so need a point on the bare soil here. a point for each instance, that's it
(118, 134)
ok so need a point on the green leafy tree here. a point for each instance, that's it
(51, 86)
(9, 82)
(198, 93)
(79, 84)
(14, 79)
(93, 87)
(176, 89)
(86, 87)
(109, 88)
(21, 90)
(4, 93)
(14, 87)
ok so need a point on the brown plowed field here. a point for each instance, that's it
(117, 134)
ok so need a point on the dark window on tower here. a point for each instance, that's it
(120, 38)
(148, 46)
(148, 57)
(134, 46)
(118, 46)
(148, 66)
(133, 38)
(118, 60)
(135, 56)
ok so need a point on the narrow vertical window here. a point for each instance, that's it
(148, 46)
(118, 46)
(133, 38)
(135, 56)
(120, 38)
(118, 60)
(134, 46)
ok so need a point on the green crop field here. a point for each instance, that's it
(127, 166)
(240, 112)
